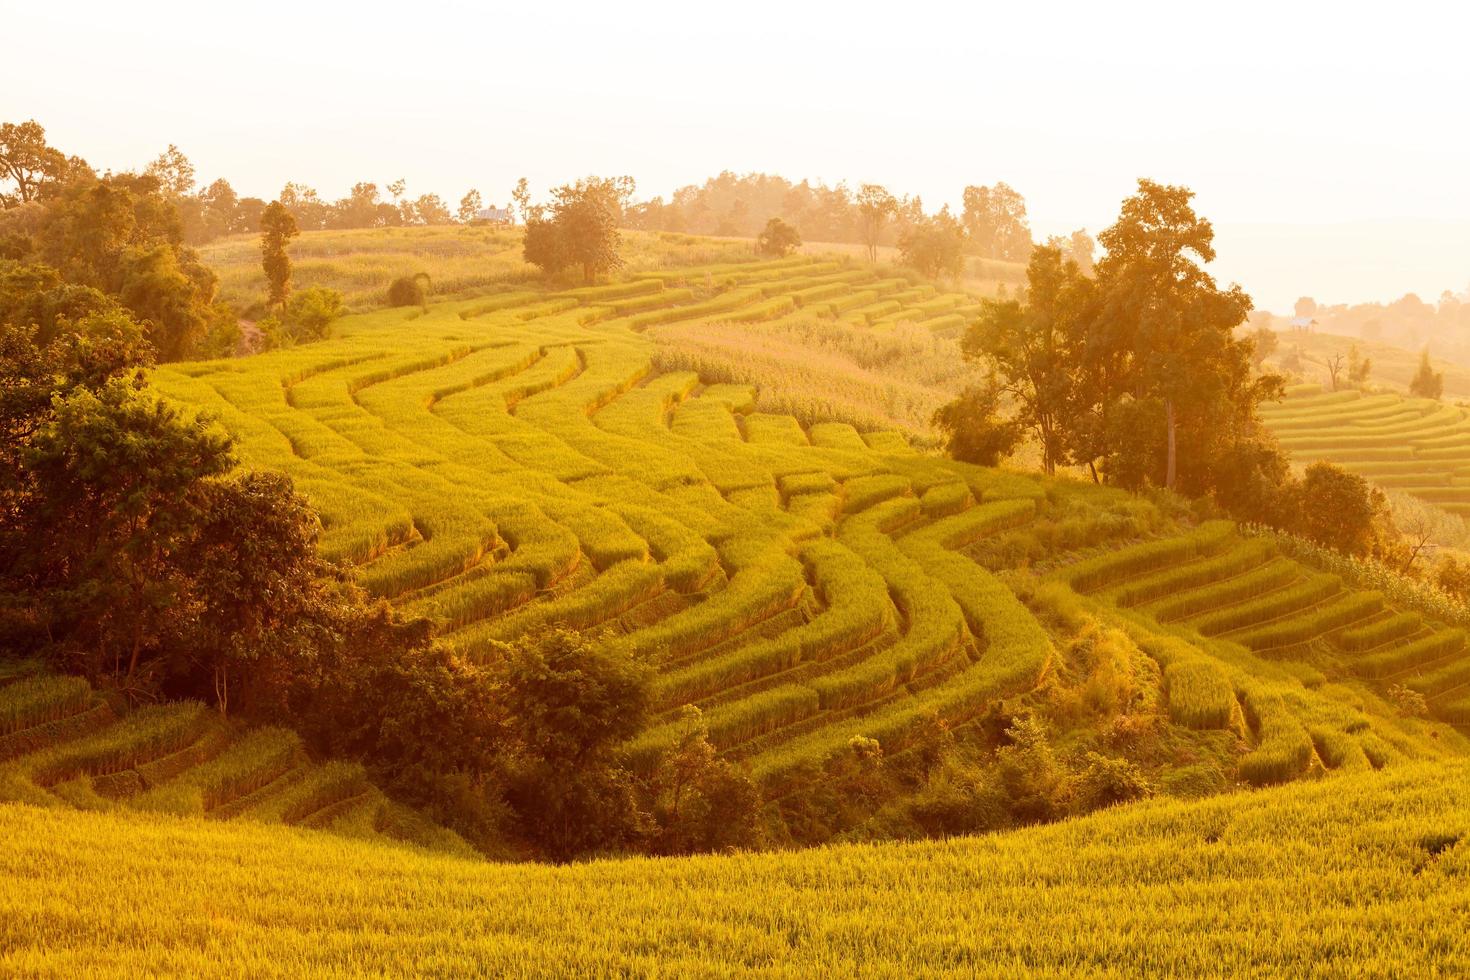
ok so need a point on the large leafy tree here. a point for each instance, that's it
(1177, 326)
(28, 165)
(934, 246)
(579, 229)
(1137, 373)
(122, 235)
(569, 703)
(995, 221)
(469, 206)
(1035, 348)
(777, 239)
(115, 470)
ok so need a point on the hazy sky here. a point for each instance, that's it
(1329, 142)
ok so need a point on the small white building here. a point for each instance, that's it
(1303, 323)
(494, 216)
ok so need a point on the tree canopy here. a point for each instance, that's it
(579, 228)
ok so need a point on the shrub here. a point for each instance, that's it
(1410, 702)
(1107, 781)
(409, 290)
(778, 239)
(311, 312)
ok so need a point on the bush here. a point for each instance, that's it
(409, 290)
(974, 430)
(311, 313)
(778, 239)
(1107, 781)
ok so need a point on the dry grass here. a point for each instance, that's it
(461, 261)
(817, 369)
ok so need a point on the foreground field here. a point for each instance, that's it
(1365, 875)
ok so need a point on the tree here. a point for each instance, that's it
(363, 208)
(429, 209)
(1080, 247)
(1427, 382)
(309, 210)
(974, 430)
(995, 221)
(409, 290)
(120, 234)
(277, 228)
(521, 196)
(174, 172)
(582, 228)
(1335, 364)
(1305, 307)
(311, 313)
(28, 163)
(1263, 344)
(1033, 348)
(777, 239)
(219, 206)
(115, 469)
(700, 801)
(1339, 509)
(469, 206)
(875, 208)
(1176, 323)
(568, 704)
(1358, 367)
(933, 246)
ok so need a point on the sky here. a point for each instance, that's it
(1328, 142)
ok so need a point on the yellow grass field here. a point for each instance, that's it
(1365, 875)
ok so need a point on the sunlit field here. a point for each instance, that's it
(657, 491)
(1357, 875)
(517, 461)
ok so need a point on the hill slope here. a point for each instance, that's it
(1365, 875)
(514, 461)
(1416, 446)
(63, 745)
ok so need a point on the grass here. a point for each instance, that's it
(1359, 875)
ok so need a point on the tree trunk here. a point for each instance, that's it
(1170, 467)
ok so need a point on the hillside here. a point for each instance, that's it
(1412, 446)
(459, 260)
(515, 461)
(1362, 875)
(1393, 367)
(61, 744)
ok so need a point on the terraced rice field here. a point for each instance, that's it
(510, 462)
(1415, 445)
(1245, 608)
(1360, 875)
(61, 744)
